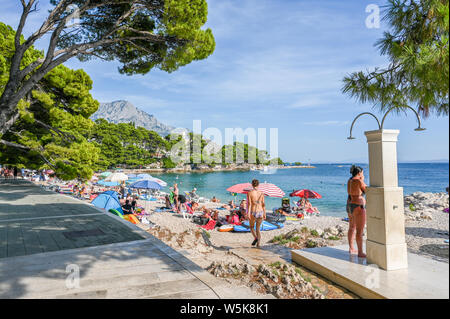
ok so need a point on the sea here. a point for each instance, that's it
(329, 180)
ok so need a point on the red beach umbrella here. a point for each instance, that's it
(268, 189)
(239, 188)
(305, 193)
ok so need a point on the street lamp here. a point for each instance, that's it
(381, 126)
(385, 244)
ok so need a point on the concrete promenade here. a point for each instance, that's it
(55, 246)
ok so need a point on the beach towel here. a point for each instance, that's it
(210, 225)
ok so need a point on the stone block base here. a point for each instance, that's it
(387, 257)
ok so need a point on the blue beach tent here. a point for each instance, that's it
(108, 200)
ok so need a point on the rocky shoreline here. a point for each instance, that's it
(207, 169)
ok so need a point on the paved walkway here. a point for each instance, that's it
(54, 246)
(33, 220)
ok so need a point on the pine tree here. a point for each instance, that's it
(417, 46)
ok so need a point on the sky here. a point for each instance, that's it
(277, 64)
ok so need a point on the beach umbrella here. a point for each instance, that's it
(159, 181)
(105, 174)
(239, 188)
(144, 176)
(105, 183)
(268, 189)
(305, 193)
(108, 200)
(116, 177)
(146, 184)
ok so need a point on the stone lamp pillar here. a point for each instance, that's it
(386, 246)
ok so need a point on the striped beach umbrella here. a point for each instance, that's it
(305, 193)
(267, 189)
(116, 177)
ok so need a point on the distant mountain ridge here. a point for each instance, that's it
(124, 112)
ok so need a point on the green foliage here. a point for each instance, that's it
(168, 163)
(411, 207)
(276, 264)
(304, 230)
(53, 121)
(165, 34)
(417, 46)
(125, 144)
(334, 238)
(311, 244)
(298, 163)
(314, 233)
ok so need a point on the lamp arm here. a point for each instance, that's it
(407, 106)
(354, 121)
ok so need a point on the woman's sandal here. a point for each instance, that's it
(254, 242)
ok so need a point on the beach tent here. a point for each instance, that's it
(132, 175)
(108, 200)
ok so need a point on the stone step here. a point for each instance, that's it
(56, 288)
(199, 294)
(39, 283)
(95, 251)
(87, 261)
(138, 291)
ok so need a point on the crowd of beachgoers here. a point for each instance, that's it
(205, 227)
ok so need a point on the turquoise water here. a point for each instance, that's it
(329, 180)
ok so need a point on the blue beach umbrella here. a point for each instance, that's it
(103, 183)
(146, 184)
(107, 200)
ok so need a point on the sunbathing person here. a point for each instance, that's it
(215, 200)
(310, 209)
(229, 206)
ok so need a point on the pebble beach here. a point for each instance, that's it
(426, 228)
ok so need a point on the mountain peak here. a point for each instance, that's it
(122, 111)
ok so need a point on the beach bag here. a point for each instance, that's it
(200, 220)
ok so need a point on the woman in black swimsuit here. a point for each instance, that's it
(356, 209)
